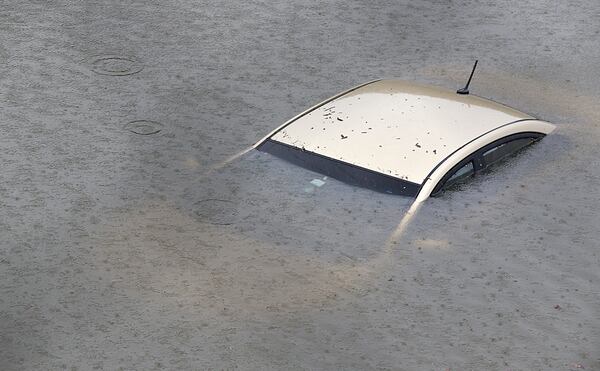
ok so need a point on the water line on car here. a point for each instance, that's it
(230, 159)
(404, 222)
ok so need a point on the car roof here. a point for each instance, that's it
(397, 128)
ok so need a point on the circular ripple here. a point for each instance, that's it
(116, 65)
(144, 127)
(217, 212)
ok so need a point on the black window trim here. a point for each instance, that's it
(343, 171)
(478, 160)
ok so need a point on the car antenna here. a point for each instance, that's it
(465, 90)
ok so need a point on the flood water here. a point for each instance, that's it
(136, 232)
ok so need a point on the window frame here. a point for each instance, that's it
(479, 164)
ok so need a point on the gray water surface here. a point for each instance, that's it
(125, 250)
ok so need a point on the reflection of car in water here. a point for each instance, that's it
(402, 138)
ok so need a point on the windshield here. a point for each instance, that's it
(340, 170)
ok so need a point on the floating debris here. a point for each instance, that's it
(317, 182)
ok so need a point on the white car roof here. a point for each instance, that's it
(400, 129)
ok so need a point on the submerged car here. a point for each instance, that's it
(403, 138)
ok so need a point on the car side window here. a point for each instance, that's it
(459, 176)
(504, 150)
(485, 158)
